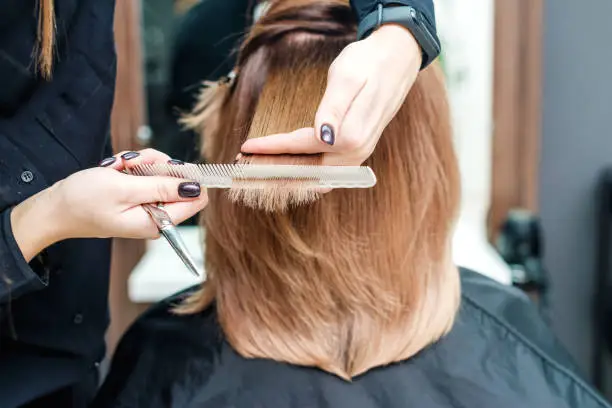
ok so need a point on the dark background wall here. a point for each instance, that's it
(576, 145)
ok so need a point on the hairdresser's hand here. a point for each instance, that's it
(103, 202)
(367, 84)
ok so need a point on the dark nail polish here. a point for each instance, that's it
(327, 134)
(189, 189)
(108, 161)
(129, 155)
(176, 162)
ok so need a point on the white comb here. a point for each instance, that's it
(255, 175)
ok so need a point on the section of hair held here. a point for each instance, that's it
(288, 101)
(278, 194)
(359, 278)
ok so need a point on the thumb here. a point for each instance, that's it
(343, 87)
(163, 189)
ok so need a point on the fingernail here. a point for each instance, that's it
(176, 162)
(327, 134)
(108, 161)
(129, 155)
(189, 189)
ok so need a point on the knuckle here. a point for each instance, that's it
(333, 69)
(339, 69)
(351, 140)
(162, 193)
(345, 76)
(352, 79)
(331, 115)
(350, 48)
(152, 233)
(123, 191)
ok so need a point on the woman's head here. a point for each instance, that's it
(357, 278)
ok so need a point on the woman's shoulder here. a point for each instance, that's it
(506, 308)
(160, 326)
(506, 331)
(499, 351)
(159, 349)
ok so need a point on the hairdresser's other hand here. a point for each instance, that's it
(367, 84)
(103, 202)
(109, 201)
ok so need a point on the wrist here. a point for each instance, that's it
(408, 17)
(36, 223)
(392, 33)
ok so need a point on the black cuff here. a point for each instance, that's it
(409, 18)
(18, 277)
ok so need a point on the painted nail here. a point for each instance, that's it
(189, 189)
(327, 134)
(176, 162)
(108, 161)
(129, 155)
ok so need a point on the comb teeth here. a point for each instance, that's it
(245, 175)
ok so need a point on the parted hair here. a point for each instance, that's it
(356, 278)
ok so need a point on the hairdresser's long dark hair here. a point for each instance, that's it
(354, 279)
(45, 45)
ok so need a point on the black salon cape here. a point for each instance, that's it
(499, 354)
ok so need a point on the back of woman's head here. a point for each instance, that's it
(356, 278)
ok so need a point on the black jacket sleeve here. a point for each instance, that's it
(364, 7)
(16, 275)
(20, 179)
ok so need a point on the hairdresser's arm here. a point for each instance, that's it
(366, 85)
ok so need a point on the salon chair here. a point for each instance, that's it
(520, 245)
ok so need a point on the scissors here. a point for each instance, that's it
(169, 231)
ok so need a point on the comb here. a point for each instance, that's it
(256, 175)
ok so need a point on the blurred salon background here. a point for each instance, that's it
(530, 90)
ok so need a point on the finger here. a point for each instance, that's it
(129, 159)
(359, 131)
(146, 156)
(182, 211)
(110, 162)
(117, 162)
(343, 86)
(138, 224)
(139, 190)
(301, 141)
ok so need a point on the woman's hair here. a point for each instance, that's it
(360, 277)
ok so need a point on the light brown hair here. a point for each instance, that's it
(358, 278)
(45, 44)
